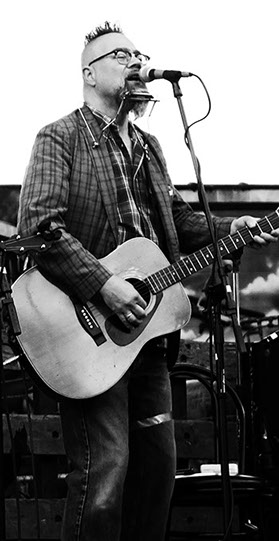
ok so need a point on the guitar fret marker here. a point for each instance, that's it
(204, 256)
(184, 263)
(191, 269)
(175, 273)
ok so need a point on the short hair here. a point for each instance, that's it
(106, 28)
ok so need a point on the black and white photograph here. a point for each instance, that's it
(139, 271)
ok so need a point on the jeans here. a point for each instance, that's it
(122, 451)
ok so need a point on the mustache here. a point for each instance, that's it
(135, 93)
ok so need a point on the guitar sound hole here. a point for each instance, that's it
(141, 288)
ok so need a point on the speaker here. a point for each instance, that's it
(265, 395)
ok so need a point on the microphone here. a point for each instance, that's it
(148, 74)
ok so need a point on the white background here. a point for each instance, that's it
(231, 44)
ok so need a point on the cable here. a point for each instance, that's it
(209, 107)
(199, 120)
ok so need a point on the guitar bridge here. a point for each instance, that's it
(89, 323)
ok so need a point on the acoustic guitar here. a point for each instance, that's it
(80, 351)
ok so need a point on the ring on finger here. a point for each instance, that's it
(129, 315)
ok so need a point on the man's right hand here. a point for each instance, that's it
(124, 300)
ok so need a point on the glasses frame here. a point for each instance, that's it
(127, 51)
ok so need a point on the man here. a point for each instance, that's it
(102, 181)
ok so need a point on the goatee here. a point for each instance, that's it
(135, 99)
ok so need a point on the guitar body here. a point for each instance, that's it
(78, 363)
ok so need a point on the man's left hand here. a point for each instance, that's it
(263, 239)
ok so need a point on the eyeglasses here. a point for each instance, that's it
(123, 56)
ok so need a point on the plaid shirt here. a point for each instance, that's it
(134, 197)
(70, 181)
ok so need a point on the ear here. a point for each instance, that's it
(89, 75)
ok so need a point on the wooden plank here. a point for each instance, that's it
(200, 520)
(197, 353)
(190, 519)
(47, 525)
(232, 194)
(46, 433)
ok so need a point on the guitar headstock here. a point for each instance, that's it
(22, 245)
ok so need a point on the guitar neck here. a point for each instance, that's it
(201, 259)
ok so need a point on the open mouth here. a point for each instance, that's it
(133, 77)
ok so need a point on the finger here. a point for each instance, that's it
(265, 238)
(259, 240)
(141, 302)
(134, 319)
(125, 321)
(273, 237)
(138, 312)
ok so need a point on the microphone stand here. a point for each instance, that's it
(235, 288)
(219, 290)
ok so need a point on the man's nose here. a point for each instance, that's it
(135, 61)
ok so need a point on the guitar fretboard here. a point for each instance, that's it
(193, 263)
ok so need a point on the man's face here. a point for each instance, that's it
(112, 78)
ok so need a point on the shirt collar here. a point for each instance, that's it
(106, 122)
(101, 117)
